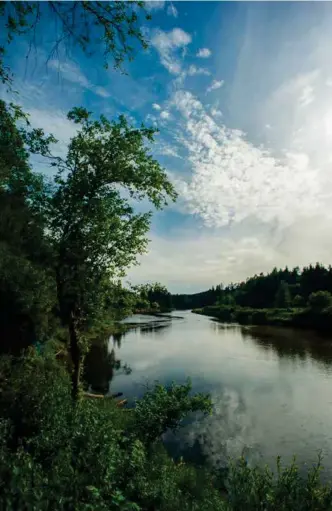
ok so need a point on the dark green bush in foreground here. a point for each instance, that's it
(55, 455)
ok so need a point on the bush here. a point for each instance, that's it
(243, 316)
(320, 300)
(253, 489)
(91, 455)
(259, 317)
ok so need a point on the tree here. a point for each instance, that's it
(153, 293)
(283, 298)
(320, 300)
(112, 28)
(94, 230)
(27, 284)
(298, 301)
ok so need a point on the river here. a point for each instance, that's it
(271, 387)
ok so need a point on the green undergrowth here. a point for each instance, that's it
(92, 455)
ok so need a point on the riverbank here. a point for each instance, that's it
(319, 320)
(48, 444)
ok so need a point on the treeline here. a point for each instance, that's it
(278, 289)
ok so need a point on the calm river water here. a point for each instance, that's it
(271, 387)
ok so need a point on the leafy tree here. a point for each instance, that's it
(27, 284)
(112, 28)
(94, 230)
(153, 293)
(320, 300)
(283, 298)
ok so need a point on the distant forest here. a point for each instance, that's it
(279, 288)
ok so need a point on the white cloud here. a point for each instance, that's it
(168, 45)
(193, 70)
(155, 5)
(164, 115)
(101, 91)
(191, 260)
(54, 121)
(172, 10)
(215, 112)
(233, 180)
(307, 96)
(203, 53)
(167, 150)
(152, 118)
(72, 73)
(155, 106)
(216, 84)
(298, 89)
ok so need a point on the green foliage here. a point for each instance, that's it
(283, 297)
(93, 229)
(27, 284)
(112, 28)
(243, 316)
(163, 408)
(49, 444)
(259, 317)
(154, 296)
(264, 291)
(319, 300)
(56, 454)
(255, 489)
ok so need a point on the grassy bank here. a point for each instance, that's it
(320, 320)
(91, 455)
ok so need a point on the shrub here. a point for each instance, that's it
(259, 317)
(243, 316)
(252, 489)
(91, 455)
(320, 300)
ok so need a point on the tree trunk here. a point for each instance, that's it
(75, 357)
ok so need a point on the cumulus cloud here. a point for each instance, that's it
(172, 10)
(169, 45)
(215, 112)
(164, 115)
(155, 106)
(193, 70)
(216, 84)
(233, 180)
(203, 53)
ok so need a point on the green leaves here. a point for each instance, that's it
(163, 408)
(93, 227)
(112, 29)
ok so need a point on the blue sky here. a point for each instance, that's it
(242, 96)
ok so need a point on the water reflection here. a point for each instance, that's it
(292, 344)
(117, 338)
(271, 387)
(99, 367)
(156, 329)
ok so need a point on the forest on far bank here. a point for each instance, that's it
(281, 288)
